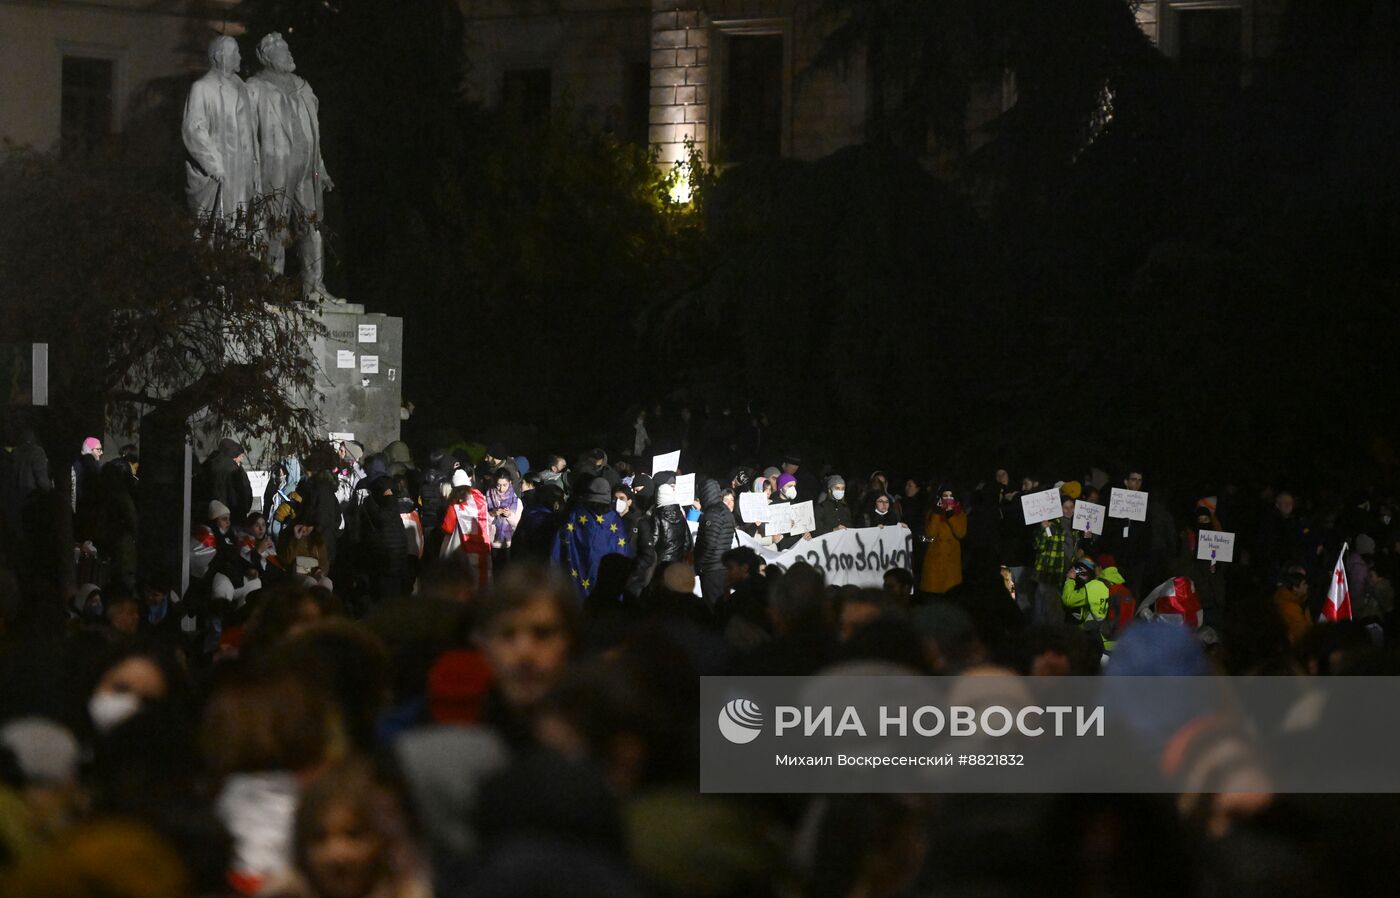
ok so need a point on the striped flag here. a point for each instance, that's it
(1338, 605)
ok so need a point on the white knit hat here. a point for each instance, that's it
(461, 478)
(218, 509)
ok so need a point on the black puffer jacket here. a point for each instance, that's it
(716, 534)
(663, 536)
(385, 540)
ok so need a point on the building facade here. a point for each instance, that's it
(74, 72)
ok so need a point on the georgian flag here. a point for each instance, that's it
(1338, 605)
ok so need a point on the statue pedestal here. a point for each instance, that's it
(360, 374)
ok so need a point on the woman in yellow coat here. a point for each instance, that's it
(944, 530)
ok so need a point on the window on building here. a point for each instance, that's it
(1209, 43)
(528, 93)
(87, 113)
(751, 108)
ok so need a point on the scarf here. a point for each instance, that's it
(494, 500)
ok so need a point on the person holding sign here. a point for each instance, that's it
(1130, 541)
(1055, 546)
(1208, 576)
(944, 530)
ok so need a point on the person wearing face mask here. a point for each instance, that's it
(1209, 578)
(944, 529)
(128, 681)
(833, 512)
(663, 536)
(714, 537)
(881, 513)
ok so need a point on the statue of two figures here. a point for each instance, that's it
(255, 155)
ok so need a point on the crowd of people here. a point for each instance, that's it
(461, 671)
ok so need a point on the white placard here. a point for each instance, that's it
(669, 461)
(685, 489)
(337, 437)
(1215, 545)
(779, 519)
(259, 480)
(1088, 516)
(344, 358)
(367, 333)
(753, 507)
(1129, 504)
(369, 364)
(804, 517)
(1041, 506)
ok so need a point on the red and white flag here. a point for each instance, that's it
(1338, 605)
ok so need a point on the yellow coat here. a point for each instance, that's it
(943, 560)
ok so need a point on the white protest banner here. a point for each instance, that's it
(1129, 504)
(259, 480)
(753, 507)
(669, 461)
(1088, 516)
(367, 333)
(854, 557)
(685, 489)
(338, 437)
(846, 557)
(779, 518)
(369, 364)
(345, 358)
(1041, 506)
(804, 517)
(1216, 545)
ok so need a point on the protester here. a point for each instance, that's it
(944, 529)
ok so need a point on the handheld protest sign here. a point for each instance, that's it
(685, 489)
(668, 461)
(779, 518)
(1128, 504)
(1215, 545)
(804, 517)
(753, 507)
(1041, 506)
(1088, 516)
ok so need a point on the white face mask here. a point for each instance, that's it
(790, 492)
(621, 506)
(838, 495)
(107, 709)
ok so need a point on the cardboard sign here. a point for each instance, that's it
(1041, 506)
(369, 364)
(1215, 545)
(670, 461)
(338, 437)
(367, 333)
(1088, 516)
(344, 358)
(1128, 504)
(779, 519)
(753, 507)
(685, 489)
(804, 517)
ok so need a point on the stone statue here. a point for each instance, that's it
(293, 173)
(219, 130)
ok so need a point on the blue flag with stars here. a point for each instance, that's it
(585, 537)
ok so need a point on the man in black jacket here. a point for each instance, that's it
(663, 536)
(385, 540)
(714, 538)
(228, 482)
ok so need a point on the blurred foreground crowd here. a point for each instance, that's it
(456, 674)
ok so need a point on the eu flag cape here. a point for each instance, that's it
(584, 539)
